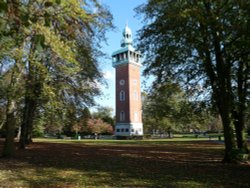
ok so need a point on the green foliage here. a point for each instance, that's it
(104, 113)
(238, 155)
(86, 115)
(38, 131)
(167, 108)
(52, 49)
(203, 45)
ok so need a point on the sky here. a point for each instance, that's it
(123, 12)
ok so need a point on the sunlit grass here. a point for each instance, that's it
(100, 141)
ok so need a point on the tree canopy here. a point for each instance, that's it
(49, 59)
(167, 107)
(202, 44)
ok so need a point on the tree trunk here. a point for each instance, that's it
(219, 75)
(27, 122)
(224, 97)
(18, 133)
(32, 93)
(241, 140)
(219, 93)
(10, 123)
(229, 138)
(240, 107)
(9, 145)
(239, 125)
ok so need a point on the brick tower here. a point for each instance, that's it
(127, 63)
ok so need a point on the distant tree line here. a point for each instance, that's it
(168, 109)
(85, 123)
(81, 124)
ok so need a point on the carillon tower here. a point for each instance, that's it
(127, 63)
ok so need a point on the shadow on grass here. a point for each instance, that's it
(188, 164)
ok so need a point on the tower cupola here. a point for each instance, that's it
(127, 37)
(127, 53)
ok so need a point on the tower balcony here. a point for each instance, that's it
(126, 55)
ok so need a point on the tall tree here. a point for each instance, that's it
(10, 53)
(198, 42)
(62, 27)
(58, 52)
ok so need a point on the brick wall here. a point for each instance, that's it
(131, 75)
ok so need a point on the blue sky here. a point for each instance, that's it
(123, 12)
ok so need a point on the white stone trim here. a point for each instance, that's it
(137, 127)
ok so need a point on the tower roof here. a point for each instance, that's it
(127, 37)
(126, 54)
(127, 30)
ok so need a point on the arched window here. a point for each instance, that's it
(122, 95)
(114, 58)
(122, 116)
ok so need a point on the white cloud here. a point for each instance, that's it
(108, 74)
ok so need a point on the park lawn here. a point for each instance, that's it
(111, 163)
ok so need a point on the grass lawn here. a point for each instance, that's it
(101, 163)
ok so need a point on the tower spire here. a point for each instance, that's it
(127, 37)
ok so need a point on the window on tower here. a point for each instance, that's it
(137, 58)
(122, 95)
(122, 116)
